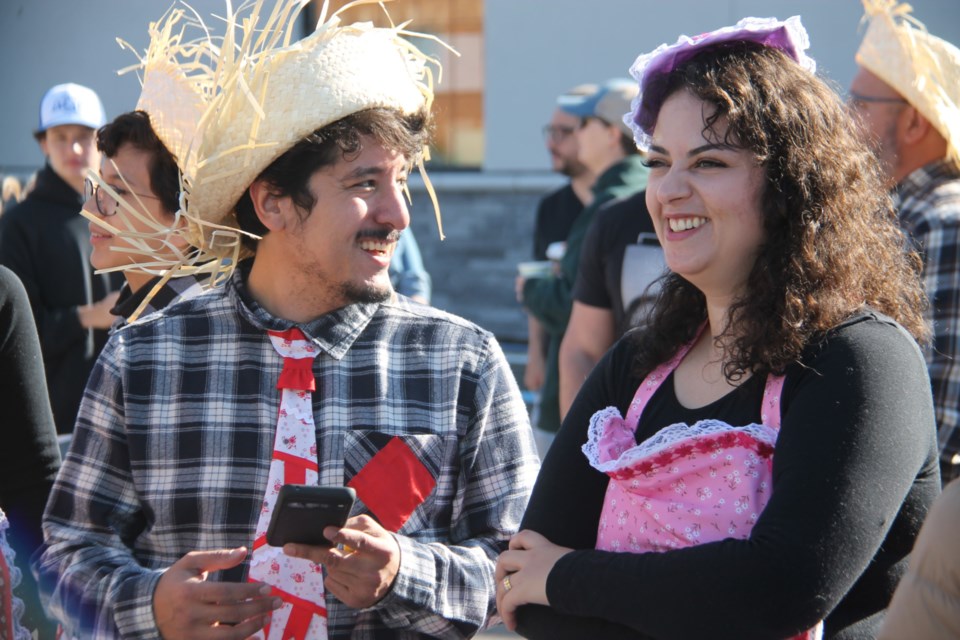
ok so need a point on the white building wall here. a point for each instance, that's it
(47, 42)
(534, 49)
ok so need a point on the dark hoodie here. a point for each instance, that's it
(46, 242)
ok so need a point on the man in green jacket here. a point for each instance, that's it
(607, 149)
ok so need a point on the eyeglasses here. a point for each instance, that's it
(106, 204)
(557, 133)
(857, 100)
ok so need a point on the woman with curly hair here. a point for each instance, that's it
(777, 454)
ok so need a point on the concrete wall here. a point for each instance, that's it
(487, 220)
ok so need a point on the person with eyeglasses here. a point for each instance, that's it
(45, 242)
(138, 193)
(606, 149)
(906, 94)
(555, 215)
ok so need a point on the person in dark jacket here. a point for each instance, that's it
(29, 457)
(46, 242)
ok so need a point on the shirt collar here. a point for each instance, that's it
(918, 179)
(333, 332)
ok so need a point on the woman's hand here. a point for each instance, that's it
(522, 573)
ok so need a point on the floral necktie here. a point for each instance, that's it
(298, 582)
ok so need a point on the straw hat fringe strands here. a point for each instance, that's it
(227, 106)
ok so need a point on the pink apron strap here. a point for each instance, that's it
(655, 378)
(769, 411)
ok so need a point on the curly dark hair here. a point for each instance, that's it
(833, 246)
(134, 128)
(290, 173)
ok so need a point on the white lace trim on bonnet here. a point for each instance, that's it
(787, 35)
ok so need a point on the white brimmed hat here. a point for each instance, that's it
(228, 107)
(922, 68)
(70, 104)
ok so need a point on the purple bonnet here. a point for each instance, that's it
(787, 35)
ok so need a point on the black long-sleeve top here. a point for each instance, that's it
(29, 456)
(854, 472)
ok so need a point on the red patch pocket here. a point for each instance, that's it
(393, 484)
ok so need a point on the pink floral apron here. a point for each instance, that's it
(687, 484)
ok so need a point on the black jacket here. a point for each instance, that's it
(30, 457)
(46, 242)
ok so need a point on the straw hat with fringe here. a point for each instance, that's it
(922, 68)
(227, 106)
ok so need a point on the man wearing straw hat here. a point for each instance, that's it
(302, 367)
(907, 93)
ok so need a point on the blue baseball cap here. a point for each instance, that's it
(70, 104)
(609, 102)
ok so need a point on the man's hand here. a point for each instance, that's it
(186, 606)
(518, 284)
(525, 567)
(535, 371)
(534, 374)
(97, 315)
(361, 572)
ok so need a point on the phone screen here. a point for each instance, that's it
(302, 512)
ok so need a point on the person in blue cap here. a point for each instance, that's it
(606, 149)
(46, 242)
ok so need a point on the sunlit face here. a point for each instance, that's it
(879, 108)
(562, 143)
(71, 150)
(599, 143)
(128, 174)
(704, 198)
(340, 252)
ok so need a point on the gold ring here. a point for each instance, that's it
(506, 584)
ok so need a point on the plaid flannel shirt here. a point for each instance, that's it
(174, 438)
(929, 205)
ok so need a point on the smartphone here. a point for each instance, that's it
(303, 511)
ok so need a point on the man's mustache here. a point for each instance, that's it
(391, 235)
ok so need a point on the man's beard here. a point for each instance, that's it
(888, 151)
(572, 168)
(364, 293)
(370, 293)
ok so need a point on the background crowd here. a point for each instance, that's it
(820, 317)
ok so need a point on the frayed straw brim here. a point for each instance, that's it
(922, 68)
(227, 107)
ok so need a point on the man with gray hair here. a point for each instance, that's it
(907, 95)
